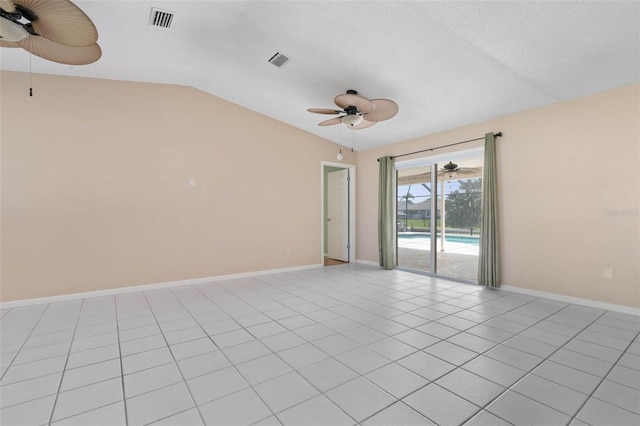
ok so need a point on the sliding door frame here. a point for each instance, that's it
(432, 162)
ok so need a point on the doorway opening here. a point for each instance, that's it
(338, 187)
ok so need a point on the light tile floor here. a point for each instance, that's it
(344, 345)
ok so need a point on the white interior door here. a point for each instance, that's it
(338, 215)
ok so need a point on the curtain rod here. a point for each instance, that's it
(497, 135)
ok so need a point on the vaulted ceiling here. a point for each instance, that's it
(446, 64)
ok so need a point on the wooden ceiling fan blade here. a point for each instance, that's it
(4, 43)
(62, 22)
(324, 111)
(330, 122)
(384, 110)
(362, 125)
(7, 6)
(469, 170)
(345, 100)
(60, 53)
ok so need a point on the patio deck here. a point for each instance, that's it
(450, 263)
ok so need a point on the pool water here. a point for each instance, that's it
(463, 239)
(466, 239)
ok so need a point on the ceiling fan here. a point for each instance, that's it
(358, 112)
(451, 169)
(56, 30)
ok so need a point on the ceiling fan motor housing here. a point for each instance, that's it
(26, 13)
(351, 110)
(450, 166)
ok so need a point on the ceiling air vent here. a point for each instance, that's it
(160, 18)
(278, 59)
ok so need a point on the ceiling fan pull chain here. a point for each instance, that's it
(30, 79)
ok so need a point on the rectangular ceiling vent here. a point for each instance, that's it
(278, 59)
(160, 18)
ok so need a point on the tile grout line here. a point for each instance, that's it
(251, 386)
(4, 312)
(175, 362)
(483, 408)
(460, 366)
(66, 362)
(65, 370)
(284, 361)
(124, 395)
(591, 395)
(363, 375)
(547, 358)
(400, 400)
(99, 381)
(534, 299)
(308, 296)
(420, 350)
(24, 342)
(221, 349)
(530, 371)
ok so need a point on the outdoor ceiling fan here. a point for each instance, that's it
(56, 30)
(451, 169)
(358, 112)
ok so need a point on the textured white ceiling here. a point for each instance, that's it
(446, 64)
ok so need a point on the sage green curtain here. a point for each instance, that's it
(489, 259)
(387, 213)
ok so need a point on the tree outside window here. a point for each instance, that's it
(463, 205)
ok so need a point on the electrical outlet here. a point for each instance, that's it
(288, 250)
(607, 273)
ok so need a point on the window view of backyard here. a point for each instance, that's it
(458, 230)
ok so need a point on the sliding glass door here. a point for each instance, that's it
(414, 218)
(459, 233)
(439, 215)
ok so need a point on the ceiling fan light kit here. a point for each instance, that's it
(11, 31)
(352, 120)
(55, 30)
(357, 111)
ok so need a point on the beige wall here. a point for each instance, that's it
(569, 189)
(96, 187)
(96, 194)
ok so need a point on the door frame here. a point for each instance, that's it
(431, 161)
(351, 203)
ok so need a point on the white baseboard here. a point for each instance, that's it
(553, 296)
(145, 287)
(569, 299)
(367, 262)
